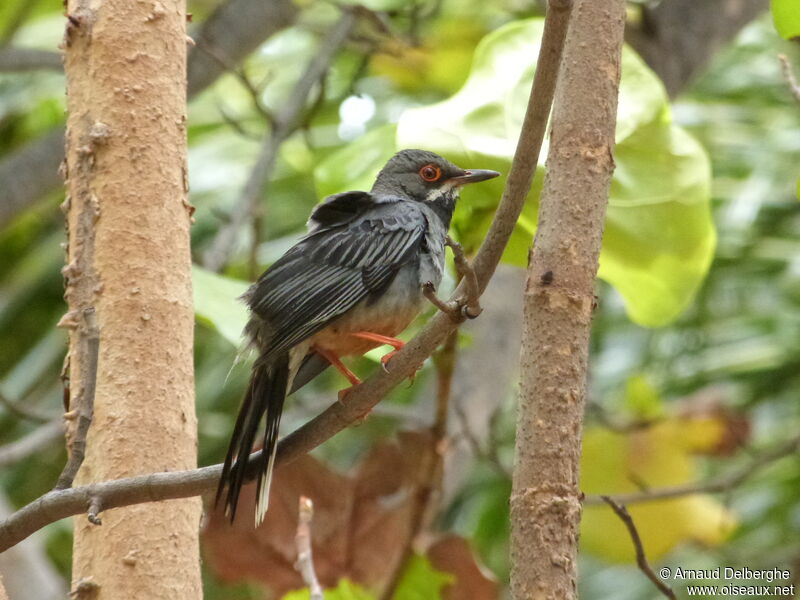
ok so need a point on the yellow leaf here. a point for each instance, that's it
(661, 455)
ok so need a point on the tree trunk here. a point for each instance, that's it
(128, 259)
(559, 298)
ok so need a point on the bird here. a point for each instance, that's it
(351, 284)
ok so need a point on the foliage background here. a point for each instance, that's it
(729, 362)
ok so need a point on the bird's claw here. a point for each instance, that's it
(386, 358)
(342, 395)
(385, 365)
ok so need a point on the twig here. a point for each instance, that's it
(59, 504)
(255, 95)
(244, 79)
(285, 123)
(788, 74)
(431, 467)
(305, 561)
(236, 125)
(472, 306)
(451, 309)
(16, 60)
(23, 412)
(467, 306)
(618, 426)
(84, 410)
(39, 438)
(490, 453)
(641, 558)
(93, 513)
(233, 31)
(717, 486)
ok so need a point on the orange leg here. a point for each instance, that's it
(332, 358)
(336, 362)
(382, 339)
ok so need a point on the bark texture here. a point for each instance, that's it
(559, 298)
(128, 228)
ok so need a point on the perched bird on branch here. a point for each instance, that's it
(351, 284)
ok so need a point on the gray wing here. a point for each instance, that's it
(339, 209)
(330, 271)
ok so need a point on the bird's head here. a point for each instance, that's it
(426, 177)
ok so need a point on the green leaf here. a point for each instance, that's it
(217, 304)
(659, 237)
(355, 166)
(346, 590)
(786, 14)
(642, 399)
(421, 581)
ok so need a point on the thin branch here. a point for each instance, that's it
(451, 309)
(23, 412)
(305, 560)
(641, 558)
(471, 303)
(237, 126)
(255, 95)
(490, 453)
(788, 75)
(29, 173)
(467, 306)
(36, 440)
(431, 467)
(720, 485)
(84, 410)
(234, 30)
(244, 80)
(59, 504)
(286, 121)
(17, 60)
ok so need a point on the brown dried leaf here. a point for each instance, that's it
(358, 523)
(452, 554)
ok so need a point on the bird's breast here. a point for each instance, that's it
(387, 314)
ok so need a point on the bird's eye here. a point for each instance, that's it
(430, 173)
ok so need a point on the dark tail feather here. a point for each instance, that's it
(313, 364)
(265, 395)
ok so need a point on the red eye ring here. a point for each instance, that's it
(430, 173)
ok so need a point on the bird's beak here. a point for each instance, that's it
(474, 176)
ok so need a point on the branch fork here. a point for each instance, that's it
(466, 307)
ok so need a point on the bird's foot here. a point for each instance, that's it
(386, 358)
(381, 339)
(332, 358)
(342, 396)
(385, 364)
